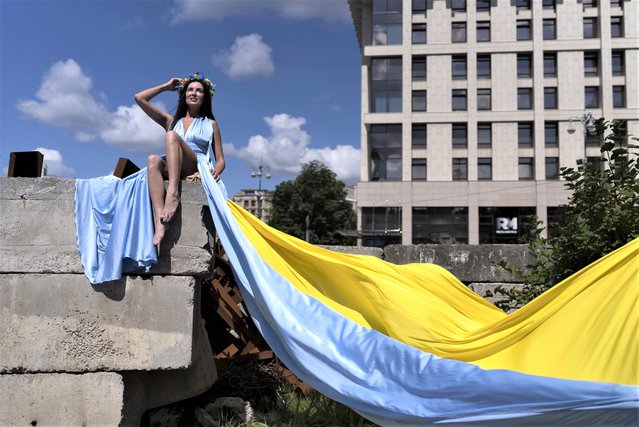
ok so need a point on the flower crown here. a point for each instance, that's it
(195, 77)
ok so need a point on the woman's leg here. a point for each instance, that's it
(155, 169)
(181, 161)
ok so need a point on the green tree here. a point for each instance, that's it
(601, 215)
(315, 193)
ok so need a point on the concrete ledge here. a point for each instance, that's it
(53, 323)
(356, 250)
(37, 233)
(62, 399)
(469, 263)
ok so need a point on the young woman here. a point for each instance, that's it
(191, 132)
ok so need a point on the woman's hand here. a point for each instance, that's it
(172, 84)
(217, 171)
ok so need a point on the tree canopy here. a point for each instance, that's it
(315, 193)
(601, 215)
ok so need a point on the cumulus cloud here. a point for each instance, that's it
(55, 164)
(287, 148)
(197, 10)
(248, 58)
(66, 99)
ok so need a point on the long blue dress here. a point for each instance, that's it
(114, 219)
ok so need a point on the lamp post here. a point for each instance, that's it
(258, 172)
(590, 128)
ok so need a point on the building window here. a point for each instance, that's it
(419, 6)
(591, 95)
(548, 4)
(554, 217)
(523, 4)
(484, 135)
(460, 135)
(550, 64)
(483, 67)
(386, 85)
(589, 3)
(524, 98)
(419, 100)
(619, 97)
(523, 29)
(459, 67)
(458, 34)
(525, 135)
(550, 29)
(482, 5)
(460, 169)
(446, 225)
(590, 28)
(419, 169)
(419, 135)
(459, 100)
(419, 33)
(616, 26)
(419, 68)
(524, 65)
(550, 98)
(591, 64)
(483, 30)
(552, 167)
(386, 152)
(526, 168)
(381, 226)
(387, 22)
(551, 134)
(616, 3)
(483, 99)
(484, 168)
(617, 63)
(458, 5)
(503, 224)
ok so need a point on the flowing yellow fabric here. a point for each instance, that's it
(584, 328)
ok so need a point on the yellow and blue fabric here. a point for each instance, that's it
(411, 345)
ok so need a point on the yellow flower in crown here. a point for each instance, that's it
(195, 77)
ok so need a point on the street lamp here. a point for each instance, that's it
(258, 173)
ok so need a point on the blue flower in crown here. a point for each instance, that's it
(196, 77)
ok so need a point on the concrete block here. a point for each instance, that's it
(53, 323)
(356, 250)
(37, 233)
(469, 263)
(62, 399)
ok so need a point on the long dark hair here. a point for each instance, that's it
(206, 109)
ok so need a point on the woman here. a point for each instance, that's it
(189, 134)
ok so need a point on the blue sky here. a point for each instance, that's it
(287, 75)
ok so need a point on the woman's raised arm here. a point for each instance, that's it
(143, 99)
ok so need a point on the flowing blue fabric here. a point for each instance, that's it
(387, 381)
(114, 226)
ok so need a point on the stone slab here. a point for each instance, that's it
(469, 263)
(93, 399)
(55, 323)
(37, 232)
(356, 250)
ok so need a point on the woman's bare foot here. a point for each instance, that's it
(160, 229)
(171, 204)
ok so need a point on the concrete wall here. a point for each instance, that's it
(80, 354)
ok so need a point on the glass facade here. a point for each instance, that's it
(503, 224)
(381, 226)
(440, 225)
(386, 152)
(386, 85)
(387, 22)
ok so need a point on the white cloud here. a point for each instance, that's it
(197, 10)
(55, 164)
(65, 99)
(287, 148)
(249, 57)
(130, 128)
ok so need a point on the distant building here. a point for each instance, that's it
(470, 107)
(255, 201)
